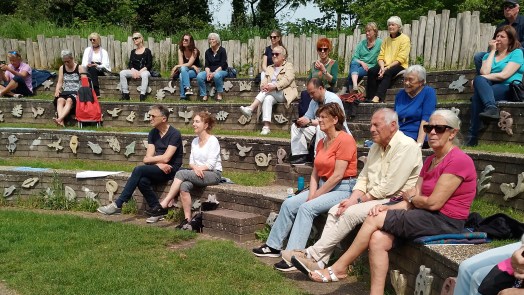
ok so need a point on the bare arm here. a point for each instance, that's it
(60, 81)
(446, 185)
(507, 72)
(150, 157)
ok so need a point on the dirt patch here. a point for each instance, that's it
(4, 290)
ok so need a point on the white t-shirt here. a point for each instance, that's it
(208, 155)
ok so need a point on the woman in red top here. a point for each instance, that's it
(332, 180)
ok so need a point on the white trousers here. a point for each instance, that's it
(301, 136)
(267, 100)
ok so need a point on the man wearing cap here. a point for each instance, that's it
(511, 14)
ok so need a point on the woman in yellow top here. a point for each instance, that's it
(393, 58)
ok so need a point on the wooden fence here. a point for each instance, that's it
(437, 41)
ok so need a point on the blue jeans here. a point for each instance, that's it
(144, 177)
(218, 79)
(296, 215)
(355, 69)
(186, 74)
(473, 270)
(486, 94)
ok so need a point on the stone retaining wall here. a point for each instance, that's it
(35, 144)
(246, 88)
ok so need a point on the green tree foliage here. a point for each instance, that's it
(339, 9)
(380, 10)
(490, 11)
(238, 17)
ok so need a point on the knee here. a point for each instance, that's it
(478, 80)
(184, 69)
(379, 241)
(218, 78)
(201, 76)
(122, 74)
(145, 74)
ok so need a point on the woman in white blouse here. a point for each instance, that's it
(96, 61)
(205, 163)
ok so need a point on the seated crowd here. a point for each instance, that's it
(396, 197)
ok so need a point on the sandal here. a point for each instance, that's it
(204, 98)
(323, 279)
(219, 97)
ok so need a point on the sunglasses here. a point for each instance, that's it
(187, 40)
(322, 49)
(14, 52)
(439, 129)
(510, 6)
(276, 54)
(136, 38)
(273, 37)
(92, 39)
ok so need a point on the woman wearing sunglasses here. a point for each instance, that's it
(140, 63)
(325, 69)
(415, 103)
(393, 58)
(439, 204)
(188, 64)
(15, 77)
(500, 66)
(96, 61)
(278, 85)
(364, 58)
(267, 57)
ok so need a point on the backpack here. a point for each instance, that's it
(87, 106)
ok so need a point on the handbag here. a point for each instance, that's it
(516, 91)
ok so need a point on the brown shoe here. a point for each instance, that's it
(287, 254)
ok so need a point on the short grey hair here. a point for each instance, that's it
(451, 119)
(389, 115)
(417, 69)
(66, 53)
(215, 36)
(395, 20)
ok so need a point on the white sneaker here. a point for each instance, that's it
(246, 111)
(265, 131)
(110, 209)
(155, 219)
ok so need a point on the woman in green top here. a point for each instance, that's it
(324, 68)
(364, 57)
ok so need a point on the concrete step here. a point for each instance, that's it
(231, 224)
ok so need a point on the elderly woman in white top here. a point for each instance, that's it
(205, 163)
(96, 60)
(278, 85)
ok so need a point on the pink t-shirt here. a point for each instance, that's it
(456, 162)
(23, 67)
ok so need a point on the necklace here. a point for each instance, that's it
(435, 161)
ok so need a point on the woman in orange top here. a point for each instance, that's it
(332, 180)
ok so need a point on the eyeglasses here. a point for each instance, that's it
(136, 38)
(322, 49)
(92, 39)
(439, 129)
(276, 54)
(273, 37)
(151, 117)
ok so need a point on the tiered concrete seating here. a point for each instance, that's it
(242, 209)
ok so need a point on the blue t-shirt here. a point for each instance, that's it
(411, 111)
(515, 56)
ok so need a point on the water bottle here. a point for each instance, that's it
(300, 183)
(368, 143)
(250, 72)
(290, 192)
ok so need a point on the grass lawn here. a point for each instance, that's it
(62, 254)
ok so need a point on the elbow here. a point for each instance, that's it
(434, 206)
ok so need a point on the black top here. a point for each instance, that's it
(197, 59)
(172, 137)
(269, 54)
(518, 25)
(213, 61)
(138, 61)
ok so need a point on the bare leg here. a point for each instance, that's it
(354, 78)
(173, 191)
(185, 198)
(7, 90)
(63, 109)
(359, 245)
(379, 245)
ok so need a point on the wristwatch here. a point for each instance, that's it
(359, 200)
(410, 200)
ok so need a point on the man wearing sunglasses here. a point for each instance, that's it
(511, 9)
